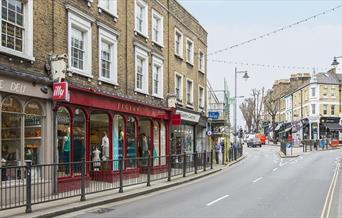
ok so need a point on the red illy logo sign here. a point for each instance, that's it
(60, 91)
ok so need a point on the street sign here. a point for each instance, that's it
(213, 115)
(209, 132)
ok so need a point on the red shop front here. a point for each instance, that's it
(102, 127)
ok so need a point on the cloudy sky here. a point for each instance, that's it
(302, 48)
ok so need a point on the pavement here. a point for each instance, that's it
(261, 185)
(61, 207)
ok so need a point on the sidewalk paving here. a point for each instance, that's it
(64, 206)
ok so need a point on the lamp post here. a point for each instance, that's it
(245, 76)
(334, 64)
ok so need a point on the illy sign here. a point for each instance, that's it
(60, 91)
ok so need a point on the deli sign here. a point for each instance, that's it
(60, 92)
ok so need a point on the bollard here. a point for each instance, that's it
(211, 159)
(184, 164)
(195, 161)
(28, 187)
(121, 174)
(205, 161)
(169, 168)
(149, 170)
(83, 172)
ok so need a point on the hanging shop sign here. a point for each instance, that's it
(60, 91)
(175, 119)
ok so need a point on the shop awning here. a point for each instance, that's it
(334, 126)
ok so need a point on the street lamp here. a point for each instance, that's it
(245, 76)
(334, 64)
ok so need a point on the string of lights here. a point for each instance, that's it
(275, 31)
(308, 68)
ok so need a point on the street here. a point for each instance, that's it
(262, 185)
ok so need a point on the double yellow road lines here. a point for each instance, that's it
(330, 195)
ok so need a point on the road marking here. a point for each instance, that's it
(301, 157)
(330, 194)
(260, 178)
(282, 164)
(275, 169)
(219, 199)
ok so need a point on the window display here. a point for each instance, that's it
(183, 139)
(33, 132)
(131, 152)
(99, 141)
(118, 140)
(78, 137)
(11, 149)
(63, 140)
(162, 143)
(156, 144)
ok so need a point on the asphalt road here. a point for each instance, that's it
(262, 185)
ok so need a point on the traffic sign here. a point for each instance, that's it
(213, 115)
(209, 132)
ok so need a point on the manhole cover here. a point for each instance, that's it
(102, 210)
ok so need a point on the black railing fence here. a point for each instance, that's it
(33, 184)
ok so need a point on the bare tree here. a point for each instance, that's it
(258, 98)
(247, 109)
(271, 107)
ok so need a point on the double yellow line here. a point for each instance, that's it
(330, 195)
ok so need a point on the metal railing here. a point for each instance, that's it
(33, 184)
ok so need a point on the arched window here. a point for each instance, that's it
(118, 139)
(63, 143)
(79, 135)
(131, 149)
(156, 144)
(11, 132)
(33, 132)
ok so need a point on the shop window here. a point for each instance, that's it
(156, 144)
(63, 137)
(118, 140)
(79, 137)
(11, 150)
(189, 138)
(33, 132)
(162, 143)
(131, 152)
(99, 141)
(144, 145)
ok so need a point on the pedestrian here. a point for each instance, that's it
(217, 151)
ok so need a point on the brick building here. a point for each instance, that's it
(126, 60)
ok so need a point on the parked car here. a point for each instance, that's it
(262, 138)
(253, 141)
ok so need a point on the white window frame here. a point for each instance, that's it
(27, 46)
(84, 25)
(112, 10)
(180, 100)
(159, 42)
(325, 109)
(141, 3)
(190, 59)
(331, 109)
(140, 53)
(313, 109)
(201, 68)
(201, 106)
(190, 102)
(158, 62)
(111, 39)
(180, 54)
(313, 92)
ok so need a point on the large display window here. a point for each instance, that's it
(156, 144)
(183, 139)
(162, 143)
(131, 146)
(99, 139)
(79, 137)
(11, 132)
(118, 140)
(33, 132)
(63, 141)
(144, 137)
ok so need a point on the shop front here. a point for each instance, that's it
(102, 128)
(330, 129)
(190, 135)
(25, 115)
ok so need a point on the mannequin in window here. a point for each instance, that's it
(96, 159)
(105, 147)
(66, 149)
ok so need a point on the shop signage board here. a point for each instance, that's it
(213, 115)
(60, 91)
(175, 119)
(188, 116)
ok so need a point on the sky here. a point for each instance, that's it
(311, 45)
